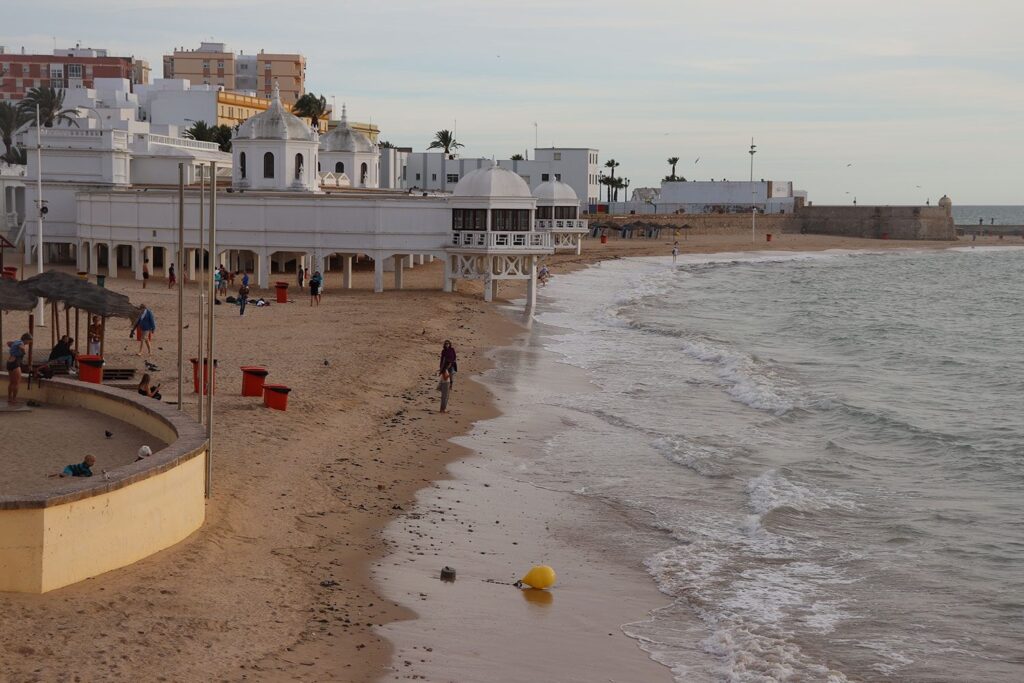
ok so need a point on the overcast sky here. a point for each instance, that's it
(911, 93)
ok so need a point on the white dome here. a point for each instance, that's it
(345, 139)
(556, 190)
(275, 123)
(493, 181)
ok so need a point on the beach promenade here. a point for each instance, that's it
(276, 585)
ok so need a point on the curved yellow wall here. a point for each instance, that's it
(103, 524)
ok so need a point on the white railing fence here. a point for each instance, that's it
(481, 239)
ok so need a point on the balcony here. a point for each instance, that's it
(482, 239)
(561, 225)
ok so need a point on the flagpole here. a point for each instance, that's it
(181, 276)
(40, 317)
(210, 329)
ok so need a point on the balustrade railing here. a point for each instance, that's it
(574, 224)
(481, 239)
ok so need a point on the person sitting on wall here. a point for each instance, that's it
(82, 469)
(63, 352)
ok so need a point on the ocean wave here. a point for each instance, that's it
(706, 460)
(770, 491)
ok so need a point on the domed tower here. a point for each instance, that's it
(947, 204)
(275, 150)
(558, 210)
(349, 151)
(493, 235)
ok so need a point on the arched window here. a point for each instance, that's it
(362, 174)
(241, 165)
(268, 165)
(298, 167)
(339, 167)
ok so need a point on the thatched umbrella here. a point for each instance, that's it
(79, 294)
(13, 298)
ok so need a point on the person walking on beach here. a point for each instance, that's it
(146, 325)
(223, 280)
(675, 251)
(15, 359)
(171, 277)
(315, 283)
(300, 276)
(444, 386)
(243, 297)
(145, 272)
(449, 362)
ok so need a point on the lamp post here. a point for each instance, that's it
(41, 206)
(753, 194)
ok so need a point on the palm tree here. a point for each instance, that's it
(11, 119)
(384, 144)
(313, 106)
(517, 157)
(222, 136)
(608, 182)
(202, 131)
(445, 139)
(17, 156)
(672, 162)
(612, 164)
(50, 102)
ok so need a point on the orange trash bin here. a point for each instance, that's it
(206, 377)
(276, 396)
(90, 369)
(282, 292)
(253, 377)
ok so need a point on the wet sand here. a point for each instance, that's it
(277, 584)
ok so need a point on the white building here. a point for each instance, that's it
(713, 196)
(113, 203)
(577, 167)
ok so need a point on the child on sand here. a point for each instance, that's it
(171, 278)
(445, 387)
(315, 283)
(82, 469)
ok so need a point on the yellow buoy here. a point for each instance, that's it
(540, 576)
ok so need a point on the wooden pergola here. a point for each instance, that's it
(78, 294)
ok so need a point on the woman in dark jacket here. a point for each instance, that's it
(449, 363)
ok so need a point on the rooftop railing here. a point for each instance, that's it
(572, 224)
(180, 142)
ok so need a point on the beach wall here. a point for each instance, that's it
(878, 222)
(707, 223)
(872, 222)
(86, 527)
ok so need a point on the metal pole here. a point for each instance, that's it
(201, 407)
(181, 275)
(40, 315)
(753, 194)
(210, 329)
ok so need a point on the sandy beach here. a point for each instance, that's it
(279, 582)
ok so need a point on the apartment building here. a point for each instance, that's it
(75, 67)
(213, 64)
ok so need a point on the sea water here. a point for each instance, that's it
(828, 449)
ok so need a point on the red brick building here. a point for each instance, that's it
(65, 69)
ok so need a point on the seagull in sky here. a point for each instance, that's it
(849, 165)
(696, 160)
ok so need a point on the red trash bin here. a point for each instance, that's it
(276, 396)
(768, 237)
(90, 369)
(604, 239)
(253, 377)
(206, 377)
(282, 292)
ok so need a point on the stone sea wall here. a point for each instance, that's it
(872, 222)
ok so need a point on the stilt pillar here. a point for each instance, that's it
(346, 271)
(111, 261)
(378, 273)
(262, 269)
(531, 285)
(400, 262)
(449, 281)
